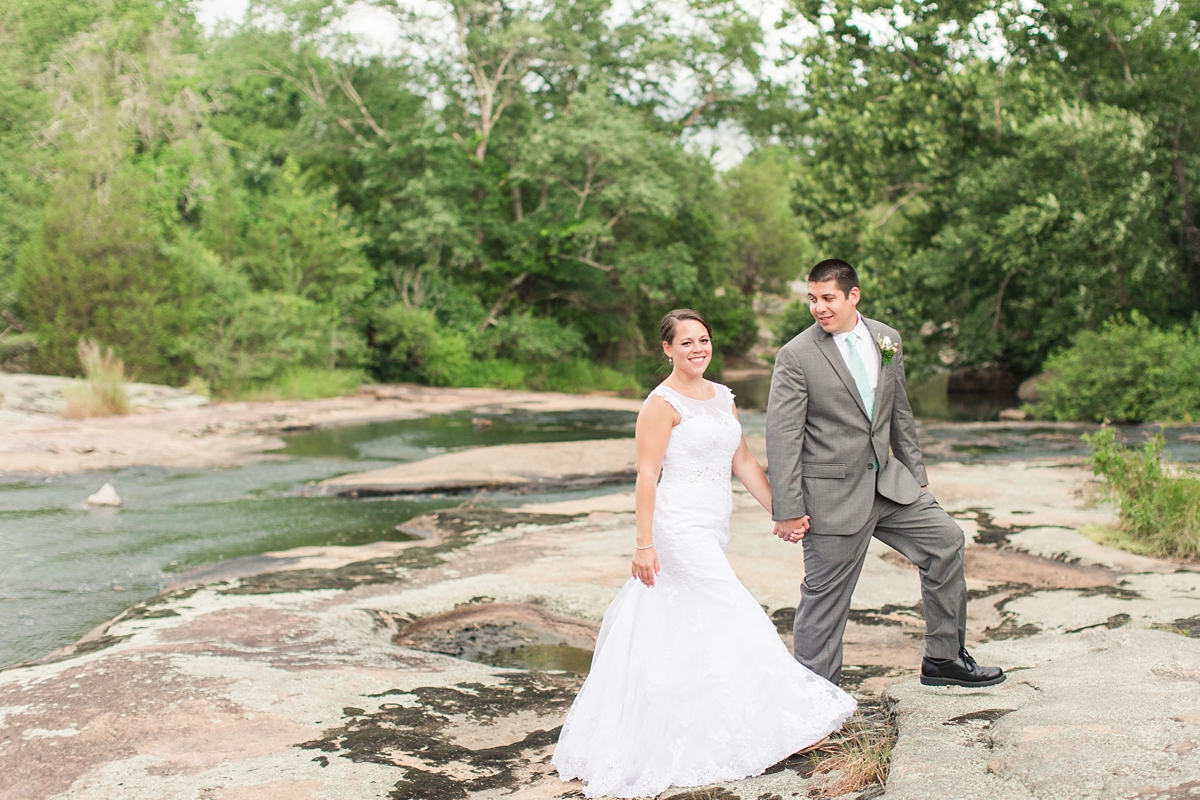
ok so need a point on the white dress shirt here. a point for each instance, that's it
(867, 351)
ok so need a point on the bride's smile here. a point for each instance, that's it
(690, 354)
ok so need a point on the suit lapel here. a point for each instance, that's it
(829, 348)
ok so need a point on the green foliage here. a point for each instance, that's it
(769, 247)
(245, 339)
(794, 320)
(1002, 179)
(307, 383)
(410, 345)
(293, 241)
(107, 270)
(582, 375)
(1158, 509)
(1051, 239)
(524, 338)
(1128, 371)
(282, 293)
(522, 197)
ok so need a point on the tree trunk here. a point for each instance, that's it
(518, 212)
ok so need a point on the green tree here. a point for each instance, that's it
(107, 271)
(1000, 178)
(1054, 239)
(769, 245)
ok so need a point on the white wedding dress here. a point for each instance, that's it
(690, 683)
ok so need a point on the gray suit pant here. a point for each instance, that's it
(923, 533)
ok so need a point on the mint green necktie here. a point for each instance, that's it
(859, 371)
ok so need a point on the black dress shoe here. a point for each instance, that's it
(961, 671)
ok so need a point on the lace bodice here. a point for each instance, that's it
(703, 443)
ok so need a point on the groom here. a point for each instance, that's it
(845, 466)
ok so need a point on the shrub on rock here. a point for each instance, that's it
(1129, 371)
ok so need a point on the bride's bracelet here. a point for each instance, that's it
(640, 547)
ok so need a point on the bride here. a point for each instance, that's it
(690, 683)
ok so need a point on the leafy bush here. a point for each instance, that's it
(1057, 235)
(1158, 511)
(794, 320)
(246, 339)
(1127, 371)
(410, 345)
(520, 351)
(106, 270)
(293, 241)
(581, 375)
(104, 392)
(527, 339)
(306, 383)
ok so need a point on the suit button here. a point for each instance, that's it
(870, 466)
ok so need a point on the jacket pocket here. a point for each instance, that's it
(824, 470)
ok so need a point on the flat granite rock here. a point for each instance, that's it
(511, 466)
(43, 394)
(1099, 714)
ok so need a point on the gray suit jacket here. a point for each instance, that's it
(822, 450)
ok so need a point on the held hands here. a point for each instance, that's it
(645, 565)
(792, 530)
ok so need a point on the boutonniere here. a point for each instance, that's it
(887, 348)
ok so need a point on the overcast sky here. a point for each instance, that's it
(376, 28)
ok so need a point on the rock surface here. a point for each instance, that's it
(43, 394)
(343, 671)
(513, 467)
(1105, 713)
(517, 467)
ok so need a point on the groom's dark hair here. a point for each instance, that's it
(834, 269)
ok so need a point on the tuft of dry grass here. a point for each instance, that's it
(856, 757)
(103, 393)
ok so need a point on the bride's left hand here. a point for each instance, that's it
(645, 565)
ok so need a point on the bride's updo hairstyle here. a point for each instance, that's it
(666, 328)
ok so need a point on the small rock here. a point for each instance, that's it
(107, 496)
(1014, 415)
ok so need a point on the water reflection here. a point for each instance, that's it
(415, 439)
(930, 400)
(542, 657)
(752, 389)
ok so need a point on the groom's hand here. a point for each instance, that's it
(792, 530)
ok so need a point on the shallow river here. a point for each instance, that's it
(66, 569)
